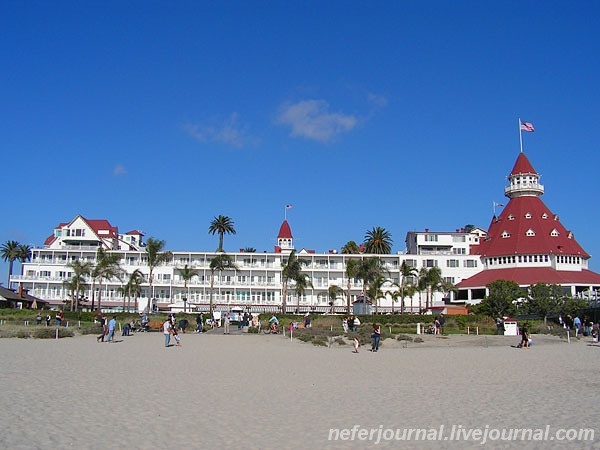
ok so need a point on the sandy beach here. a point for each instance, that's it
(264, 391)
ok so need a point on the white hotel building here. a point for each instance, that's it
(255, 285)
(526, 243)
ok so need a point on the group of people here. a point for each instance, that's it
(350, 323)
(169, 329)
(585, 327)
(108, 329)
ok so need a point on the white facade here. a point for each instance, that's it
(256, 284)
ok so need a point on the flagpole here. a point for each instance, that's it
(520, 135)
(285, 212)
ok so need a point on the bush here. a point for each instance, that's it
(404, 337)
(320, 341)
(253, 330)
(50, 333)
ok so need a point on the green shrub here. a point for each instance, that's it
(320, 341)
(404, 337)
(50, 333)
(253, 330)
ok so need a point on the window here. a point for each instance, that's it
(430, 263)
(431, 238)
(459, 251)
(459, 238)
(530, 232)
(528, 215)
(452, 263)
(554, 233)
(505, 234)
(411, 263)
(511, 217)
(470, 263)
(544, 216)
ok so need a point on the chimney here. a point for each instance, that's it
(426, 230)
(20, 291)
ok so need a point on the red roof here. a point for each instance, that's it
(285, 232)
(522, 166)
(525, 276)
(526, 226)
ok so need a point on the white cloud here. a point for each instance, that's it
(229, 132)
(312, 119)
(377, 100)
(119, 170)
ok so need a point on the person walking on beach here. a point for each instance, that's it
(442, 321)
(38, 318)
(577, 325)
(524, 337)
(376, 336)
(104, 328)
(111, 329)
(345, 324)
(199, 323)
(167, 332)
(355, 324)
(226, 323)
(48, 319)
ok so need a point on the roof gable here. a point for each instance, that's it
(527, 226)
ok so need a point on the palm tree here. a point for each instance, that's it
(333, 291)
(24, 252)
(430, 281)
(351, 248)
(378, 241)
(219, 263)
(221, 225)
(406, 272)
(156, 257)
(301, 284)
(186, 274)
(375, 291)
(10, 252)
(352, 267)
(290, 271)
(81, 270)
(249, 250)
(134, 286)
(107, 267)
(369, 269)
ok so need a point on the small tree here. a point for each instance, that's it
(500, 301)
(545, 299)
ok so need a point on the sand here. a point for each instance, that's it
(264, 391)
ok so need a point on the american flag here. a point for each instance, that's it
(527, 126)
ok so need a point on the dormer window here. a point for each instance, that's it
(544, 216)
(555, 216)
(554, 233)
(530, 232)
(528, 215)
(505, 234)
(511, 217)
(570, 235)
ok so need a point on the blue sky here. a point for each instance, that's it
(160, 115)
